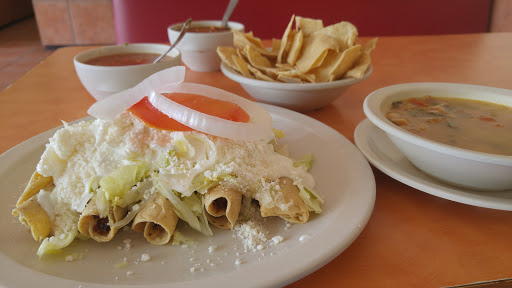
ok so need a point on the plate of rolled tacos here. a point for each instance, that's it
(101, 203)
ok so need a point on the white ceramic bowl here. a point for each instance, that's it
(103, 81)
(302, 97)
(199, 49)
(460, 167)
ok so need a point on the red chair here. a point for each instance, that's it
(147, 21)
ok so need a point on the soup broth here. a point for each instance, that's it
(469, 124)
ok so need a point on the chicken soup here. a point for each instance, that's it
(469, 124)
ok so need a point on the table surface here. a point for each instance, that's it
(412, 239)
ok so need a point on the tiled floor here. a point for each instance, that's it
(20, 51)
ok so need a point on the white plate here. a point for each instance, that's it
(343, 177)
(386, 157)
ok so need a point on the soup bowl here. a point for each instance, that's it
(456, 166)
(103, 81)
(199, 48)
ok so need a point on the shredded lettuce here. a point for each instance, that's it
(188, 208)
(278, 133)
(245, 210)
(54, 244)
(179, 238)
(312, 200)
(119, 183)
(205, 227)
(183, 211)
(306, 160)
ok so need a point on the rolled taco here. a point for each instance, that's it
(35, 184)
(222, 206)
(156, 220)
(294, 210)
(91, 225)
(32, 215)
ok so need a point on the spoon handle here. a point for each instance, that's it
(183, 31)
(231, 6)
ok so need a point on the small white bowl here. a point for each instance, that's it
(103, 81)
(199, 49)
(302, 97)
(456, 166)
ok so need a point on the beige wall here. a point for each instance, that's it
(75, 22)
(501, 20)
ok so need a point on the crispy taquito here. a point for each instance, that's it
(92, 225)
(222, 206)
(30, 213)
(156, 220)
(295, 211)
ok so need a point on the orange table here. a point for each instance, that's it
(412, 239)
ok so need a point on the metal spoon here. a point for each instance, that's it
(231, 6)
(183, 31)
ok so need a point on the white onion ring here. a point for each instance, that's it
(108, 108)
(260, 127)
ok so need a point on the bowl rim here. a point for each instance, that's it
(372, 109)
(77, 58)
(237, 77)
(231, 24)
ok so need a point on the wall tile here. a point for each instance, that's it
(501, 19)
(93, 22)
(54, 23)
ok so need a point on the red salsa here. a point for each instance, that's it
(125, 59)
(152, 117)
(207, 29)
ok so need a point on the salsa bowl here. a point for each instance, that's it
(460, 167)
(301, 97)
(199, 44)
(102, 81)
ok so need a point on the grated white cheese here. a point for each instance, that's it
(212, 249)
(252, 235)
(145, 257)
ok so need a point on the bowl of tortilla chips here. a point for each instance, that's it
(308, 68)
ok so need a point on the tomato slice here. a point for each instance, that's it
(152, 117)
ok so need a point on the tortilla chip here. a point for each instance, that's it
(295, 48)
(260, 75)
(254, 40)
(346, 61)
(370, 45)
(226, 55)
(361, 66)
(242, 40)
(284, 41)
(288, 79)
(255, 58)
(315, 50)
(344, 32)
(307, 25)
(363, 62)
(297, 74)
(276, 44)
(242, 66)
